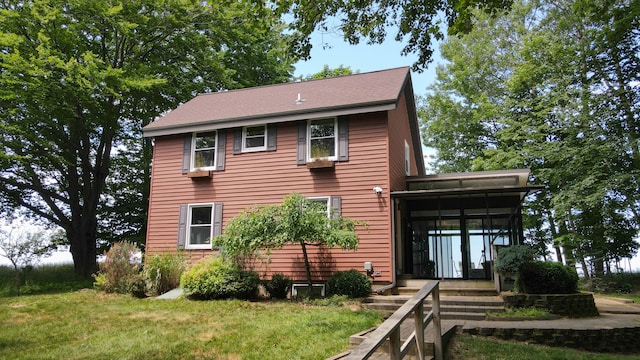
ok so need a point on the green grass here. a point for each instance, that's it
(463, 347)
(634, 296)
(529, 312)
(624, 285)
(92, 324)
(44, 279)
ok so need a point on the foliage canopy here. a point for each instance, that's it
(418, 22)
(80, 78)
(551, 86)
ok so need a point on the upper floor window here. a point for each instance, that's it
(254, 138)
(204, 150)
(322, 139)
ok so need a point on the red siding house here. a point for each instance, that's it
(352, 141)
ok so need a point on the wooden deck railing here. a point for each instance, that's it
(390, 329)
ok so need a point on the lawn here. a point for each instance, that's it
(90, 324)
(60, 317)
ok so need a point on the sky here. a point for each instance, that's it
(364, 58)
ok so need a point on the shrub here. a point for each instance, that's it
(541, 277)
(351, 283)
(213, 278)
(511, 259)
(118, 269)
(138, 286)
(162, 272)
(279, 285)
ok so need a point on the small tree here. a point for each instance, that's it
(23, 248)
(297, 220)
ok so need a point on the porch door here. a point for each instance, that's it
(479, 255)
(438, 249)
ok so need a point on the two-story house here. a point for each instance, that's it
(352, 142)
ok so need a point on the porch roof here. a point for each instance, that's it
(520, 191)
(470, 184)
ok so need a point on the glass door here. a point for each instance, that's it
(479, 247)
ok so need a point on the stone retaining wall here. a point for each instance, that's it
(571, 305)
(620, 340)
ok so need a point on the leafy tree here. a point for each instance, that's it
(418, 22)
(23, 249)
(79, 79)
(297, 220)
(328, 72)
(552, 86)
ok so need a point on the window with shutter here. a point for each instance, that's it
(204, 151)
(323, 139)
(198, 224)
(332, 204)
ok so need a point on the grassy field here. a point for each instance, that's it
(44, 279)
(90, 324)
(61, 317)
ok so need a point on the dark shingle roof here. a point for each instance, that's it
(373, 91)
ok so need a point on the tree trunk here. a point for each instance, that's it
(15, 267)
(585, 268)
(554, 236)
(307, 266)
(598, 267)
(83, 249)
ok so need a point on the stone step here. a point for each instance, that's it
(451, 307)
(410, 290)
(443, 309)
(444, 300)
(447, 284)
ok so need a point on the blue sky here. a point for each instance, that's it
(364, 58)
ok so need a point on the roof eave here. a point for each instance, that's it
(270, 119)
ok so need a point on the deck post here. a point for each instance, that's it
(437, 343)
(419, 326)
(395, 344)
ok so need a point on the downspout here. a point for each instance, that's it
(383, 289)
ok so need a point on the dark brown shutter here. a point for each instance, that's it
(272, 135)
(182, 226)
(302, 143)
(343, 138)
(221, 149)
(237, 140)
(186, 154)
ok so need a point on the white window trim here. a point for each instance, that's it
(407, 158)
(193, 152)
(188, 244)
(323, 198)
(335, 140)
(256, 148)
